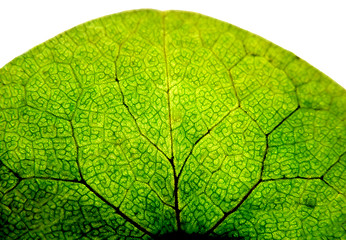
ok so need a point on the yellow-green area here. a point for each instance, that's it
(148, 124)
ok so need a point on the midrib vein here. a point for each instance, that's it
(176, 202)
(167, 82)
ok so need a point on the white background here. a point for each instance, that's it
(312, 29)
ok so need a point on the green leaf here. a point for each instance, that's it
(158, 125)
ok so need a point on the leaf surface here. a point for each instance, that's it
(145, 124)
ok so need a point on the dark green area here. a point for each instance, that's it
(195, 236)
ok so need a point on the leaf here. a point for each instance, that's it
(157, 125)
